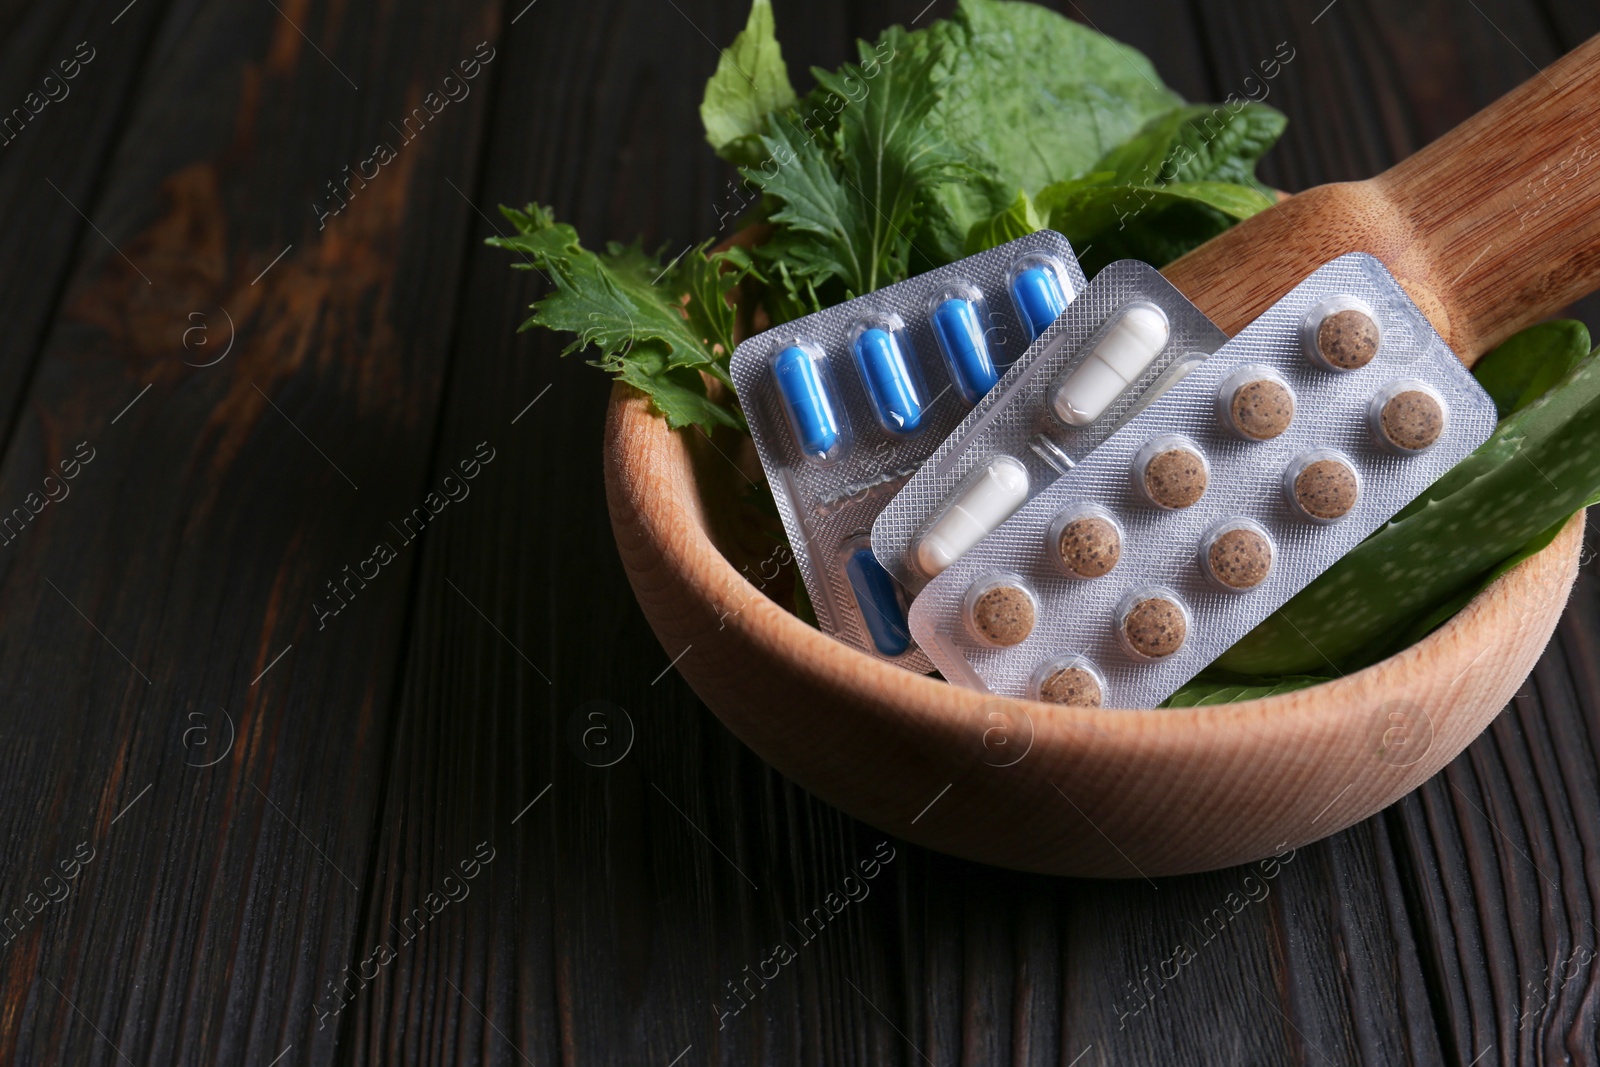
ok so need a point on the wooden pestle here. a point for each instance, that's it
(1491, 228)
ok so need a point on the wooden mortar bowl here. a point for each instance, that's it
(1487, 237)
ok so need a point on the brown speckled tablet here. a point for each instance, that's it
(1262, 409)
(1155, 627)
(1071, 685)
(1089, 547)
(1412, 420)
(1326, 489)
(1348, 339)
(1240, 559)
(1175, 478)
(1004, 615)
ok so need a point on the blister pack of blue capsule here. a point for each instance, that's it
(1130, 337)
(847, 403)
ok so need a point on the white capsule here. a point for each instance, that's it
(1122, 354)
(985, 501)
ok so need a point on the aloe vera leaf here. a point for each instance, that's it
(1539, 467)
(1430, 621)
(1199, 693)
(1528, 363)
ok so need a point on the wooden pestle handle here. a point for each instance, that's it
(1491, 228)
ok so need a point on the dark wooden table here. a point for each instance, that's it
(272, 794)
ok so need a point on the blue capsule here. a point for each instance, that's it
(1039, 299)
(878, 601)
(966, 352)
(891, 383)
(808, 402)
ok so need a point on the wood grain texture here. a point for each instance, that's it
(159, 595)
(616, 909)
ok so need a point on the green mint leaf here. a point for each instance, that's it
(751, 82)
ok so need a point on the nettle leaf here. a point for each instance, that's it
(708, 280)
(656, 326)
(750, 83)
(1018, 220)
(813, 200)
(893, 158)
(678, 393)
(1186, 176)
(860, 186)
(606, 301)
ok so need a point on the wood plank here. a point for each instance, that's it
(1505, 841)
(55, 137)
(1571, 21)
(188, 559)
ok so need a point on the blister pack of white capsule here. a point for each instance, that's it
(1131, 336)
(845, 405)
(1213, 506)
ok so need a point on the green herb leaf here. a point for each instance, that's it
(631, 309)
(1200, 692)
(1197, 143)
(1527, 364)
(708, 280)
(1018, 220)
(813, 201)
(678, 393)
(750, 83)
(858, 192)
(1086, 207)
(1039, 96)
(1155, 223)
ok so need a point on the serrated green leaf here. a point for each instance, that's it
(708, 281)
(1084, 208)
(655, 326)
(750, 83)
(813, 201)
(606, 301)
(857, 192)
(678, 393)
